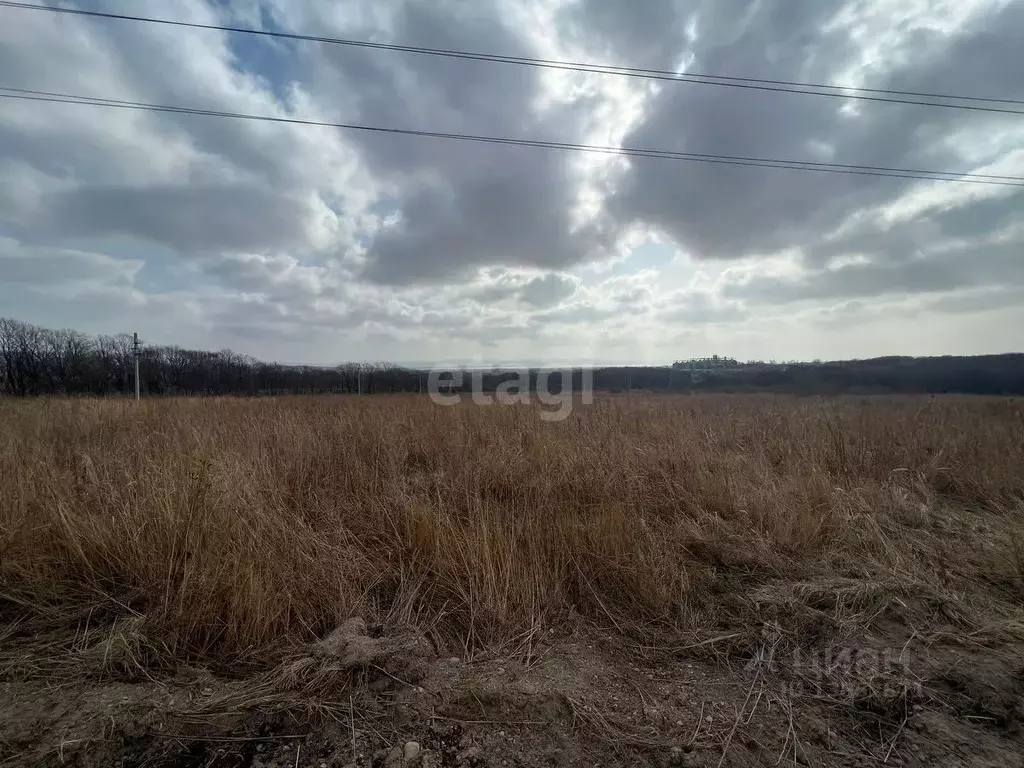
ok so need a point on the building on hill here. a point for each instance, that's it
(712, 363)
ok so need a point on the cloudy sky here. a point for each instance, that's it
(312, 244)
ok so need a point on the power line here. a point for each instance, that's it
(726, 81)
(759, 162)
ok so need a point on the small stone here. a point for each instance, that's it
(394, 757)
(411, 751)
(472, 753)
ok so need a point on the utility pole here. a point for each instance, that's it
(135, 354)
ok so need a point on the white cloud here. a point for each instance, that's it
(315, 244)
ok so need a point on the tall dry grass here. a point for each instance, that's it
(233, 529)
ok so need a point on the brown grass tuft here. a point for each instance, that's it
(235, 530)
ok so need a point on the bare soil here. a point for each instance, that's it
(584, 697)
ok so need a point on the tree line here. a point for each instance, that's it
(44, 361)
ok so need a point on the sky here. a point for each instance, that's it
(318, 245)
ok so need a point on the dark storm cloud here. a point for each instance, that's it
(965, 267)
(548, 290)
(462, 205)
(981, 217)
(186, 218)
(727, 212)
(55, 266)
(538, 292)
(974, 301)
(196, 184)
(514, 216)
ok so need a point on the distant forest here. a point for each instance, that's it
(42, 361)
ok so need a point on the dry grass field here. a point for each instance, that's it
(677, 580)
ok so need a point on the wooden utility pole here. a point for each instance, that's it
(135, 354)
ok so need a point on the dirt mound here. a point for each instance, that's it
(403, 655)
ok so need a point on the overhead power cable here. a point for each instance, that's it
(759, 162)
(940, 100)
